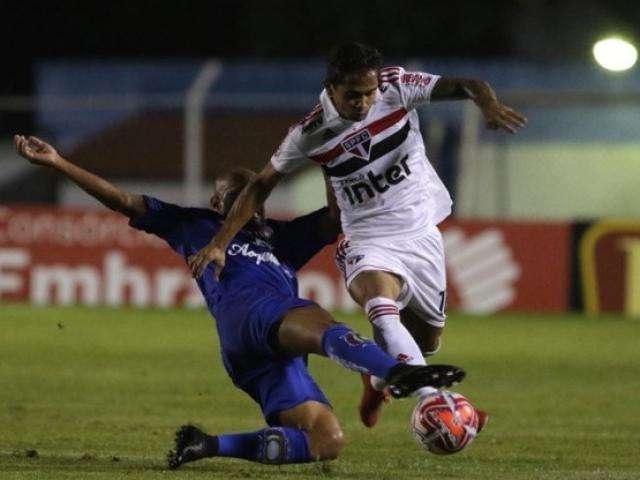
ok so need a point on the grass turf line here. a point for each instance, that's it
(98, 393)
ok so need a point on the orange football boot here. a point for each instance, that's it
(371, 402)
(483, 418)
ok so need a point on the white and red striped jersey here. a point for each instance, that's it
(383, 181)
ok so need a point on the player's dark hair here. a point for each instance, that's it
(233, 181)
(349, 58)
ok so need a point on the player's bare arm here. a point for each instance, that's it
(497, 115)
(39, 152)
(249, 200)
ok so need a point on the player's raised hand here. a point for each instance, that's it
(199, 261)
(498, 116)
(35, 150)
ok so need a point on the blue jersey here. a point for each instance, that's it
(256, 288)
(268, 258)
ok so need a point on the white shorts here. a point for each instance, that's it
(418, 262)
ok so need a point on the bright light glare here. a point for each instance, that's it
(615, 54)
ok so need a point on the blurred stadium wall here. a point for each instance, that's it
(526, 235)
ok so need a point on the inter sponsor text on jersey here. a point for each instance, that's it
(384, 184)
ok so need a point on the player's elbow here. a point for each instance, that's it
(263, 183)
(130, 205)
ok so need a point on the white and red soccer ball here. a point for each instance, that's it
(444, 422)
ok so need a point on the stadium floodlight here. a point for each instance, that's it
(615, 54)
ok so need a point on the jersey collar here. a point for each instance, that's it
(330, 112)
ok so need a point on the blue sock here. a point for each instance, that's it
(354, 352)
(276, 446)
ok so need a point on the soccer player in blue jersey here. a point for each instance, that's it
(265, 329)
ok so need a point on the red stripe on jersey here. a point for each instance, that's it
(317, 107)
(313, 113)
(389, 70)
(383, 123)
(326, 157)
(374, 128)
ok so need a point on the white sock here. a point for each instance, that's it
(393, 337)
(390, 333)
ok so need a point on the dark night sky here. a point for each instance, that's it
(529, 30)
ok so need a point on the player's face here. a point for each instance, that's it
(226, 192)
(355, 95)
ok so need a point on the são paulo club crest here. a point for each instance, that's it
(358, 144)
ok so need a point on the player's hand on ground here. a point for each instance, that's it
(498, 116)
(35, 150)
(199, 261)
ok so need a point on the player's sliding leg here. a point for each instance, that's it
(308, 432)
(274, 445)
(311, 329)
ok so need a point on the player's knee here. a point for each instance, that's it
(374, 283)
(327, 444)
(334, 443)
(430, 347)
(428, 339)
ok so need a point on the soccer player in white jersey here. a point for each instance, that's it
(364, 133)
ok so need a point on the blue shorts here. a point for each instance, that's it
(282, 384)
(275, 381)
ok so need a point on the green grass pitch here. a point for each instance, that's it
(98, 393)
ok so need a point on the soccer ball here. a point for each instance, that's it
(444, 422)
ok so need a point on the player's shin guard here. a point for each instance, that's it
(274, 446)
(354, 352)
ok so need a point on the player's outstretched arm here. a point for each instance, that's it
(249, 200)
(39, 152)
(497, 115)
